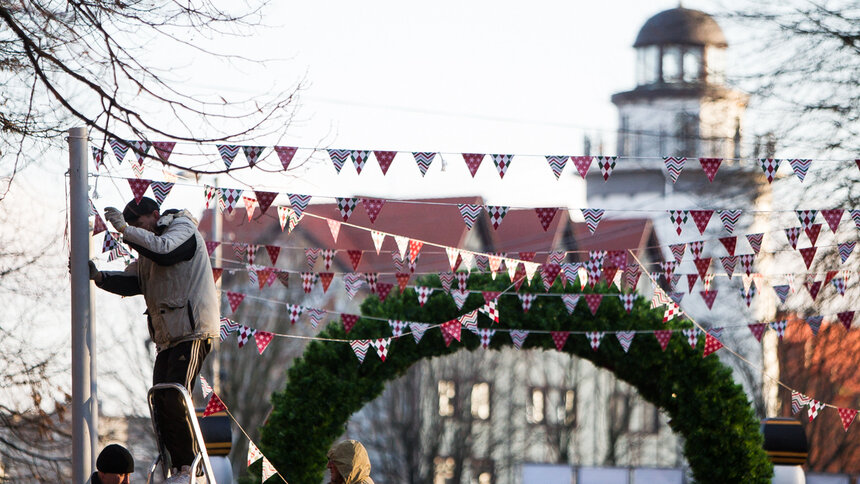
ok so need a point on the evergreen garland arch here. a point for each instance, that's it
(722, 440)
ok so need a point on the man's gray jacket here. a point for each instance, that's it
(175, 277)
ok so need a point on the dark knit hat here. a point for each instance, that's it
(133, 209)
(115, 459)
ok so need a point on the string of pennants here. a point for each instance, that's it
(556, 163)
(227, 199)
(452, 330)
(216, 405)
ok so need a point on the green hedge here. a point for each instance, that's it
(722, 442)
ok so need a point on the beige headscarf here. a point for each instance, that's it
(351, 460)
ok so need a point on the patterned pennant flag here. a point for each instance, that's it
(285, 155)
(757, 330)
(299, 202)
(792, 234)
(384, 158)
(594, 338)
(273, 251)
(462, 279)
(708, 297)
(161, 190)
(556, 163)
(701, 218)
(814, 323)
(625, 338)
(371, 279)
(668, 268)
(402, 280)
(813, 289)
(592, 217)
(346, 206)
(855, 215)
(815, 407)
(769, 167)
(243, 334)
(800, 167)
(798, 401)
(98, 225)
(806, 218)
(254, 453)
(470, 321)
(138, 187)
(253, 154)
(414, 249)
(354, 258)
(446, 278)
(284, 216)
(423, 293)
(710, 167)
(518, 336)
(263, 338)
(491, 310)
(469, 212)
(215, 405)
(397, 327)
(459, 297)
(473, 161)
(729, 264)
(606, 164)
(582, 164)
(486, 335)
(359, 158)
(846, 318)
(549, 273)
(729, 219)
(663, 336)
(496, 214)
(692, 335)
(338, 158)
(691, 281)
(593, 301)
(348, 321)
(423, 160)
(833, 217)
(265, 199)
(847, 415)
(674, 165)
(294, 311)
(627, 300)
(502, 162)
(360, 347)
(119, 149)
(712, 344)
(235, 299)
(315, 316)
(229, 198)
(545, 216)
(352, 283)
(311, 255)
(382, 290)
(381, 345)
(808, 255)
(779, 327)
(308, 280)
(526, 300)
(812, 232)
(747, 262)
(678, 219)
(696, 248)
(678, 251)
(755, 241)
(748, 294)
(781, 292)
(450, 331)
(839, 284)
(372, 206)
(228, 153)
(730, 243)
(418, 330)
(98, 157)
(559, 338)
(570, 301)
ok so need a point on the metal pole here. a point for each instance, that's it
(84, 429)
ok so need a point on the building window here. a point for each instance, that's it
(671, 63)
(569, 408)
(536, 406)
(481, 401)
(692, 64)
(647, 65)
(443, 470)
(447, 392)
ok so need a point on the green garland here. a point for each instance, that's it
(722, 441)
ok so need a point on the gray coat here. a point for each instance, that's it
(175, 277)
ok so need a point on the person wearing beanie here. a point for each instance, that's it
(348, 463)
(174, 275)
(113, 466)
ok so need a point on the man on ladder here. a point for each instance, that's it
(174, 275)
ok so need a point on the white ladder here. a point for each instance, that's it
(202, 458)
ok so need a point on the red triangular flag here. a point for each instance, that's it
(663, 336)
(701, 218)
(138, 187)
(325, 279)
(348, 321)
(265, 200)
(215, 405)
(808, 255)
(262, 338)
(355, 258)
(235, 299)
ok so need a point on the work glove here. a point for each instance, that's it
(116, 219)
(94, 272)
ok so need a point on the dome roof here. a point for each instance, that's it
(681, 26)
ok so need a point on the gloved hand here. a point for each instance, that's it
(95, 275)
(116, 219)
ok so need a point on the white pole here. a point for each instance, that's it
(84, 424)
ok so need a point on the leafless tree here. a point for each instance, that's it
(89, 62)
